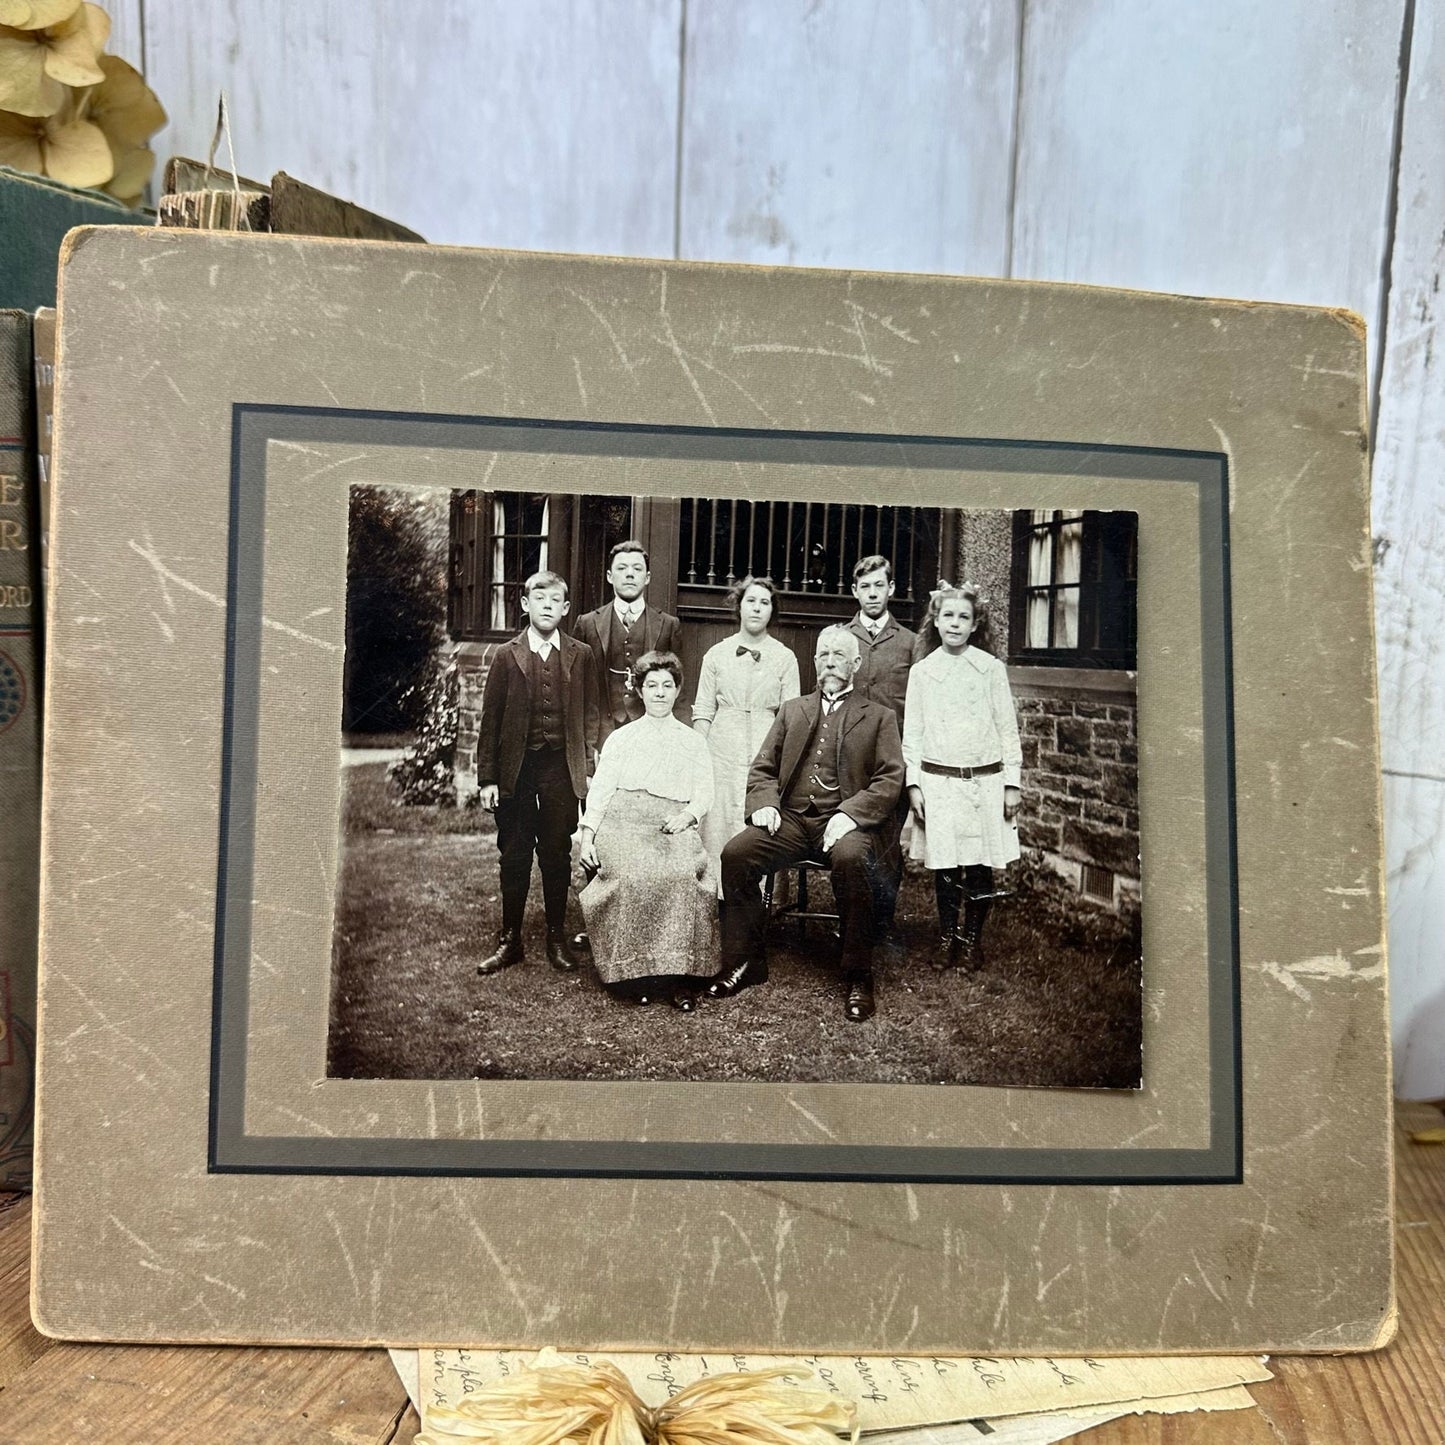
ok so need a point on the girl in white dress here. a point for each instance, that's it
(963, 759)
(743, 682)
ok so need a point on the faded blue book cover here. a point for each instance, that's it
(19, 751)
(35, 214)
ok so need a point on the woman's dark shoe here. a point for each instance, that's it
(684, 1000)
(642, 1000)
(860, 1004)
(560, 953)
(509, 951)
(735, 979)
(947, 956)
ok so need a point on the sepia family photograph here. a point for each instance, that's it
(724, 790)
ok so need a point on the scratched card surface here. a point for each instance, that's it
(211, 1167)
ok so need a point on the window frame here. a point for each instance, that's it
(470, 581)
(1104, 589)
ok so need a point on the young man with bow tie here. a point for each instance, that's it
(620, 631)
(886, 652)
(828, 775)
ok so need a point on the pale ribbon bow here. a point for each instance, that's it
(562, 1404)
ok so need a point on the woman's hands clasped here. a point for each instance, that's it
(680, 822)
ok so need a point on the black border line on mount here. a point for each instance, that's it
(232, 1151)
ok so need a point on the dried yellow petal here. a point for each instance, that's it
(133, 168)
(25, 88)
(74, 47)
(20, 142)
(35, 14)
(123, 105)
(76, 153)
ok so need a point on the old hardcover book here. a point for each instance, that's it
(44, 343)
(203, 198)
(19, 751)
(1022, 636)
(35, 214)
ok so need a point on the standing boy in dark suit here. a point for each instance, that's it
(536, 743)
(620, 631)
(886, 650)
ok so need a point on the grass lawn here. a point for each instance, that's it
(419, 907)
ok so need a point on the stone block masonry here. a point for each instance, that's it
(1079, 730)
(473, 660)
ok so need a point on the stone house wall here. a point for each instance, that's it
(472, 659)
(985, 558)
(1080, 804)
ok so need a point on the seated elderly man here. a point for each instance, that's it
(826, 779)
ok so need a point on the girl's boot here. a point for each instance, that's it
(947, 884)
(977, 891)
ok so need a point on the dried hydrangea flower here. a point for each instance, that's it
(64, 146)
(128, 113)
(37, 64)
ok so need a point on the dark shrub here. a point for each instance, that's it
(395, 610)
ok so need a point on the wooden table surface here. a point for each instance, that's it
(54, 1394)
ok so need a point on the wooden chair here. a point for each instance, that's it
(797, 908)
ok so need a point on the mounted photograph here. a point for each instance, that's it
(723, 790)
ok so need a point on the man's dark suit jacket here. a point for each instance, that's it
(506, 709)
(659, 634)
(870, 758)
(883, 673)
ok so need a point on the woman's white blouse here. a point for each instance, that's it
(660, 756)
(960, 711)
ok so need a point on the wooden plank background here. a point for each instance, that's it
(1292, 151)
(1409, 525)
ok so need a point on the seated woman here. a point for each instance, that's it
(651, 908)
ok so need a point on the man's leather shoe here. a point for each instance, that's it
(860, 1004)
(508, 951)
(560, 953)
(735, 979)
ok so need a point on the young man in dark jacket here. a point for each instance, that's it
(886, 653)
(620, 631)
(536, 744)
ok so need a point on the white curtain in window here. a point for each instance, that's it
(1041, 568)
(1066, 602)
(497, 618)
(510, 569)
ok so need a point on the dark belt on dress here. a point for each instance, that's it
(948, 772)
